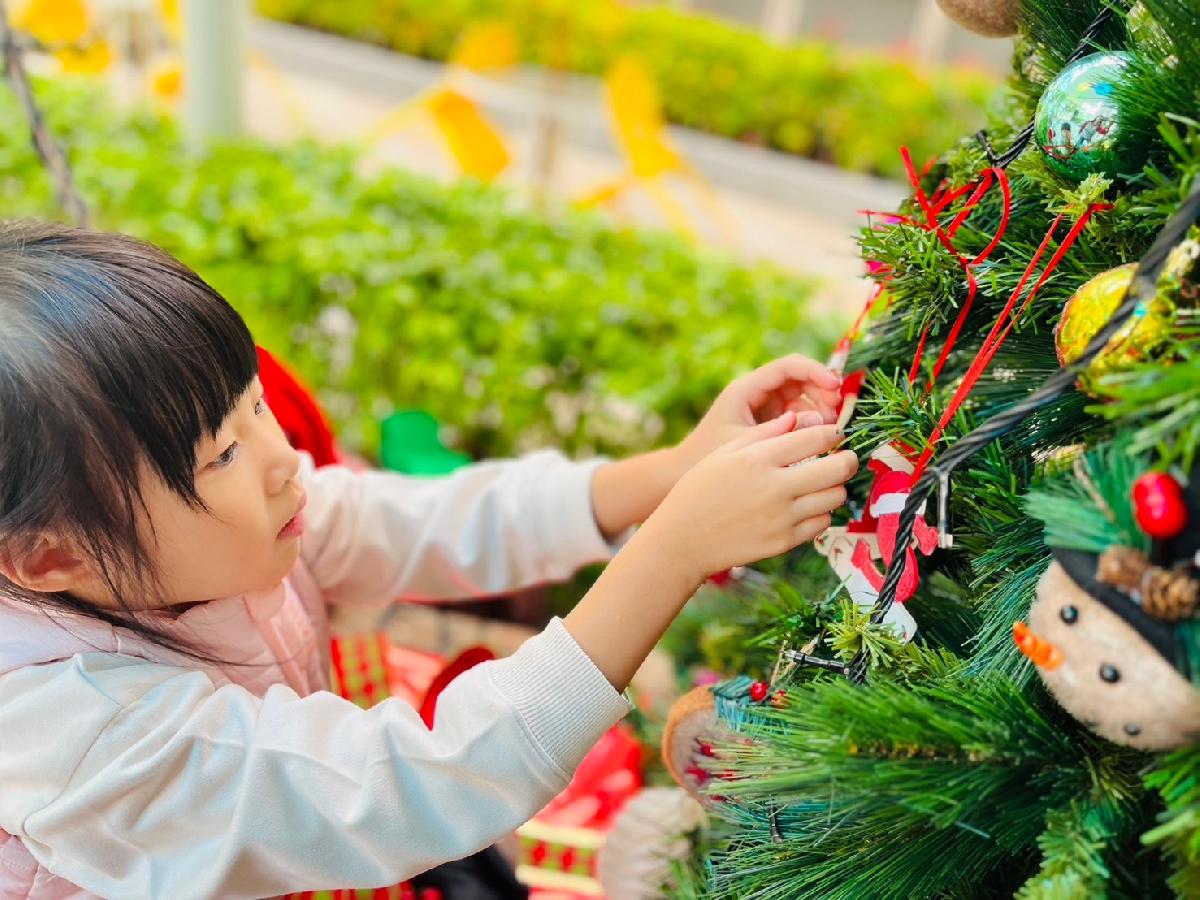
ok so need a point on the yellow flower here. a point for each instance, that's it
(170, 12)
(53, 21)
(93, 59)
(166, 80)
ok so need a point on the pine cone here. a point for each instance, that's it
(1170, 596)
(1123, 567)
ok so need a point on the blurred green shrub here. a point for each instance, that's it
(391, 291)
(813, 98)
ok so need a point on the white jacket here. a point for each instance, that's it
(129, 772)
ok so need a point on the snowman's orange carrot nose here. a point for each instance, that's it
(1041, 651)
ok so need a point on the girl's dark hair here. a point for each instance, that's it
(115, 359)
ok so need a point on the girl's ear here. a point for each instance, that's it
(51, 566)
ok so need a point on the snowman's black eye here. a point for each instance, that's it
(1110, 673)
(1069, 614)
(1133, 729)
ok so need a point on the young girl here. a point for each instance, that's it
(166, 560)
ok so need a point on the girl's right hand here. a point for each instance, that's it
(757, 496)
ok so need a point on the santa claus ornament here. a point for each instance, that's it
(860, 552)
(1113, 633)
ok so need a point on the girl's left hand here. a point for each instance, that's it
(794, 383)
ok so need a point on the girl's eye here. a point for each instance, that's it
(227, 457)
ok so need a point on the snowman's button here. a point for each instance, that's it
(1110, 673)
(1133, 729)
(1069, 614)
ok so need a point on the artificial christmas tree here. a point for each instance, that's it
(942, 766)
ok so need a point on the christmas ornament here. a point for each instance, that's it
(698, 721)
(1102, 670)
(855, 551)
(1105, 631)
(1159, 505)
(990, 18)
(1091, 307)
(1080, 124)
(652, 832)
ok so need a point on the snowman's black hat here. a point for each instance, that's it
(1180, 553)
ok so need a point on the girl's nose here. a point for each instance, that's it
(1037, 648)
(284, 463)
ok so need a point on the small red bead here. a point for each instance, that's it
(706, 748)
(721, 578)
(1159, 505)
(540, 851)
(568, 859)
(758, 691)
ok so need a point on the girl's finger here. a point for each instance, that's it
(827, 410)
(799, 445)
(820, 502)
(756, 386)
(772, 428)
(810, 528)
(828, 471)
(800, 368)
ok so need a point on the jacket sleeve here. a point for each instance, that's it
(136, 780)
(373, 537)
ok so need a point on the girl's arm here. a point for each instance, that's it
(135, 780)
(501, 525)
(625, 492)
(373, 537)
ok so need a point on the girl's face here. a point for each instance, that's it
(250, 536)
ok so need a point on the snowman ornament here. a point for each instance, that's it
(1103, 632)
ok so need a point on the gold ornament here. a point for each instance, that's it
(1090, 309)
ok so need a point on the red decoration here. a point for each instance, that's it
(758, 691)
(697, 774)
(468, 659)
(721, 578)
(608, 776)
(1159, 505)
(296, 411)
(780, 699)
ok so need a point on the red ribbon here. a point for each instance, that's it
(1001, 329)
(932, 207)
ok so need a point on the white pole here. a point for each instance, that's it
(931, 31)
(214, 37)
(781, 19)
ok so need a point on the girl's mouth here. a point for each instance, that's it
(295, 525)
